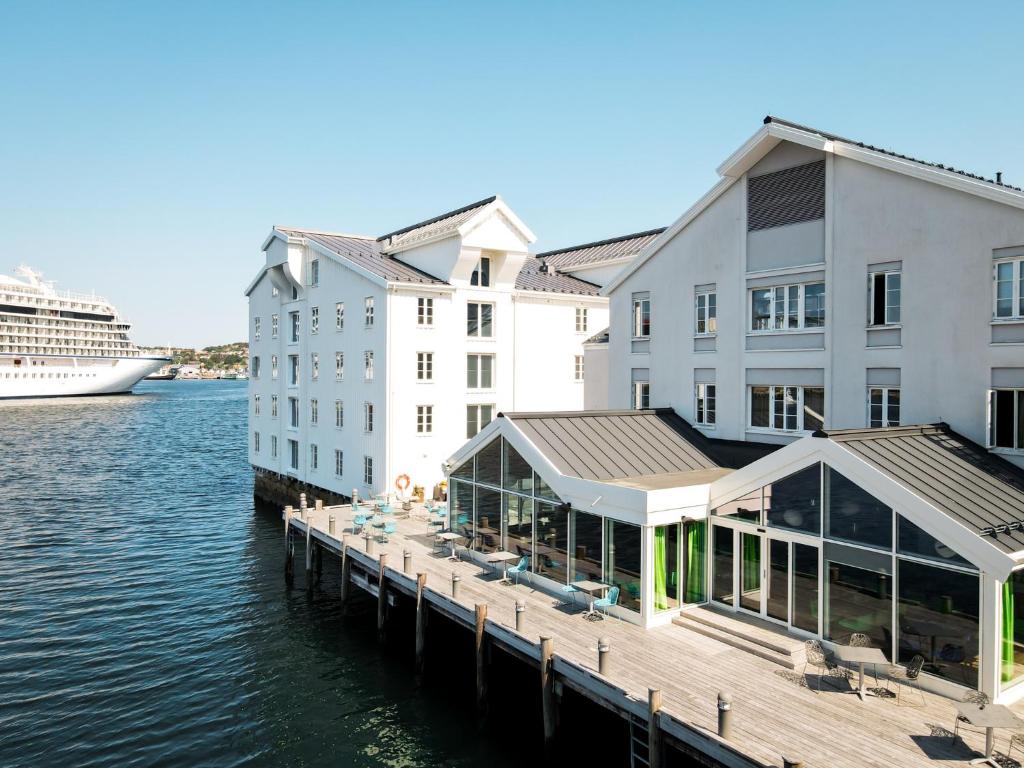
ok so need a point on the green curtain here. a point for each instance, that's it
(1007, 631)
(695, 553)
(660, 590)
(751, 562)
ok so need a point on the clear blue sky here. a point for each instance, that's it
(147, 148)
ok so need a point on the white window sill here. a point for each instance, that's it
(485, 339)
(705, 427)
(706, 335)
(773, 431)
(885, 346)
(1006, 321)
(1007, 451)
(883, 326)
(641, 338)
(424, 381)
(472, 391)
(785, 331)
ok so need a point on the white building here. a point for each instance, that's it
(373, 357)
(825, 283)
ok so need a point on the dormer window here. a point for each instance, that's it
(482, 274)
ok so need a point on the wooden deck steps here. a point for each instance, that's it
(747, 633)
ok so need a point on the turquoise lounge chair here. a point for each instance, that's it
(357, 523)
(570, 591)
(389, 528)
(521, 567)
(609, 601)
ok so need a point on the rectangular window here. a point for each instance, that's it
(482, 273)
(293, 454)
(581, 319)
(314, 366)
(706, 313)
(254, 367)
(339, 463)
(641, 318)
(789, 409)
(1009, 289)
(314, 320)
(368, 470)
(704, 405)
(293, 319)
(314, 273)
(1006, 418)
(883, 407)
(293, 370)
(424, 311)
(256, 404)
(884, 298)
(273, 366)
(339, 366)
(368, 365)
(255, 442)
(339, 414)
(314, 458)
(368, 311)
(424, 366)
(273, 446)
(368, 417)
(424, 419)
(273, 406)
(339, 316)
(273, 290)
(293, 411)
(641, 395)
(479, 320)
(787, 307)
(578, 362)
(273, 326)
(479, 371)
(256, 328)
(314, 411)
(477, 417)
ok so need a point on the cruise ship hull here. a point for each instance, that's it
(69, 376)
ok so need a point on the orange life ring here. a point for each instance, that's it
(402, 483)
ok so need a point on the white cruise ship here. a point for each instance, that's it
(59, 343)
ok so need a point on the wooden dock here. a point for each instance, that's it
(668, 678)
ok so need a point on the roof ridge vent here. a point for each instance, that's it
(543, 268)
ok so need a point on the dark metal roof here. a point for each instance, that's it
(981, 491)
(602, 250)
(446, 222)
(530, 278)
(613, 445)
(834, 137)
(601, 337)
(365, 252)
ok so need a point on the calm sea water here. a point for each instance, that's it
(144, 618)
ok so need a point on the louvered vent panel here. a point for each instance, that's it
(786, 197)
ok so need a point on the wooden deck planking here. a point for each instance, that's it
(772, 715)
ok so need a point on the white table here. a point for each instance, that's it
(591, 588)
(989, 717)
(860, 655)
(503, 557)
(451, 537)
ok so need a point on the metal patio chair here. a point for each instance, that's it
(971, 697)
(907, 676)
(817, 658)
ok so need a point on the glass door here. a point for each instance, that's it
(750, 571)
(777, 587)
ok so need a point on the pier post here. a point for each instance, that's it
(330, 522)
(603, 647)
(309, 549)
(346, 574)
(421, 625)
(547, 694)
(455, 586)
(789, 762)
(319, 504)
(369, 542)
(318, 561)
(406, 561)
(289, 547)
(724, 714)
(302, 506)
(520, 610)
(382, 595)
(481, 660)
(654, 735)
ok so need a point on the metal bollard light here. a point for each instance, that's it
(319, 504)
(520, 610)
(330, 525)
(369, 543)
(406, 561)
(455, 585)
(603, 647)
(724, 714)
(789, 762)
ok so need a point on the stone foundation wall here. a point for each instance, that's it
(282, 490)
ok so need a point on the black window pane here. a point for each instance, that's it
(586, 562)
(722, 559)
(518, 474)
(805, 587)
(912, 540)
(747, 508)
(622, 562)
(852, 514)
(488, 463)
(519, 526)
(859, 595)
(795, 501)
(544, 490)
(552, 541)
(1004, 418)
(759, 406)
(462, 511)
(464, 470)
(488, 520)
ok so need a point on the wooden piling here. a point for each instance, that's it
(309, 551)
(289, 549)
(382, 595)
(421, 625)
(481, 660)
(654, 735)
(346, 575)
(318, 561)
(547, 695)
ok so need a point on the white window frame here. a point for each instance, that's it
(314, 273)
(479, 334)
(776, 397)
(314, 320)
(705, 404)
(293, 412)
(368, 470)
(424, 366)
(884, 394)
(641, 307)
(314, 412)
(255, 442)
(314, 366)
(367, 417)
(293, 455)
(478, 279)
(992, 416)
(1016, 289)
(339, 316)
(294, 374)
(256, 405)
(273, 367)
(273, 446)
(479, 386)
(339, 414)
(773, 304)
(424, 419)
(273, 326)
(295, 324)
(368, 312)
(641, 393)
(368, 365)
(273, 406)
(892, 314)
(254, 367)
(256, 328)
(339, 366)
(578, 364)
(314, 457)
(339, 462)
(474, 417)
(581, 319)
(424, 311)
(705, 310)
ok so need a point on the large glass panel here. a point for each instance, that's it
(488, 463)
(464, 471)
(721, 565)
(911, 540)
(805, 587)
(938, 618)
(666, 567)
(695, 553)
(543, 490)
(760, 405)
(814, 408)
(518, 476)
(552, 541)
(814, 305)
(488, 520)
(746, 508)
(777, 598)
(519, 525)
(760, 309)
(622, 561)
(586, 561)
(1012, 629)
(794, 502)
(1004, 289)
(462, 512)
(858, 595)
(852, 514)
(750, 571)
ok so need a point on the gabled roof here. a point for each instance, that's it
(531, 278)
(601, 337)
(438, 225)
(611, 249)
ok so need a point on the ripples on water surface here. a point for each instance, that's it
(143, 613)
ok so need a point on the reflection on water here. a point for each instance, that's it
(144, 618)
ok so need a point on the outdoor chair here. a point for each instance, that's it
(607, 602)
(860, 640)
(1016, 740)
(817, 658)
(357, 523)
(570, 592)
(908, 676)
(971, 697)
(521, 567)
(389, 528)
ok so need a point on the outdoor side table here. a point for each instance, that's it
(855, 654)
(451, 538)
(503, 557)
(989, 717)
(592, 588)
